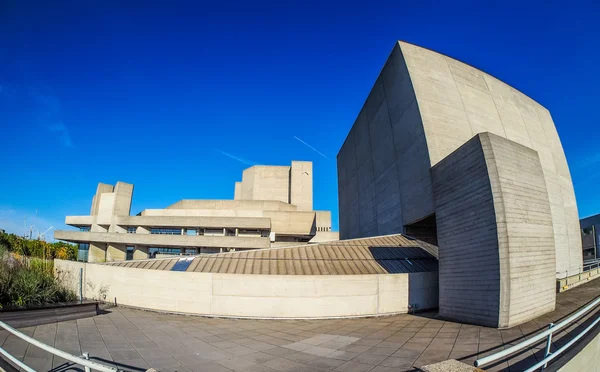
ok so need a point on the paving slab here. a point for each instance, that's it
(138, 340)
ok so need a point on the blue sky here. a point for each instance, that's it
(179, 97)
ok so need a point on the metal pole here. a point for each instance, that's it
(87, 357)
(81, 285)
(548, 345)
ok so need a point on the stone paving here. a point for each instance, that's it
(136, 340)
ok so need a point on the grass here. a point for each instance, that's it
(27, 282)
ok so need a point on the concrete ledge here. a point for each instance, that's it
(575, 280)
(450, 365)
(19, 318)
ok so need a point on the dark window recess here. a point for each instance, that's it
(425, 230)
(404, 260)
(129, 253)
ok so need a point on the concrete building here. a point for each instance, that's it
(451, 155)
(590, 237)
(272, 206)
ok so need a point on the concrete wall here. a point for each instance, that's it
(301, 185)
(101, 189)
(302, 223)
(237, 194)
(123, 196)
(270, 205)
(193, 221)
(496, 245)
(325, 236)
(458, 101)
(266, 183)
(383, 166)
(261, 296)
(422, 107)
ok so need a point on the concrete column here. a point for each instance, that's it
(142, 230)
(140, 253)
(97, 252)
(116, 252)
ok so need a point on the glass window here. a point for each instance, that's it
(131, 230)
(129, 253)
(167, 231)
(192, 232)
(84, 228)
(83, 252)
(153, 251)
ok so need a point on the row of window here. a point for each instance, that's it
(323, 228)
(84, 249)
(166, 231)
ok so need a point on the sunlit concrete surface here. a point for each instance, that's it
(272, 207)
(136, 340)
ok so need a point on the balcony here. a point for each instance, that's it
(163, 240)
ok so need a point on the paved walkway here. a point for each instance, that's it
(137, 340)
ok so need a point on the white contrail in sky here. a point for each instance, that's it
(237, 158)
(312, 148)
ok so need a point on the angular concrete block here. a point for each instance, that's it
(495, 235)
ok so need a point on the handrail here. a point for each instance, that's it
(16, 361)
(75, 359)
(545, 361)
(546, 334)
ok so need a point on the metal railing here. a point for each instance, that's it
(548, 355)
(591, 265)
(82, 360)
(587, 266)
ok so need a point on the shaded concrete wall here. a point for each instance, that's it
(261, 296)
(422, 107)
(496, 244)
(383, 166)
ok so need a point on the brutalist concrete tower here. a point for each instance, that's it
(434, 135)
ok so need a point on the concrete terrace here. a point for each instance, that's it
(137, 340)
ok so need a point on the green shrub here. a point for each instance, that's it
(38, 248)
(26, 281)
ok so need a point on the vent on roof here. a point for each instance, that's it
(404, 259)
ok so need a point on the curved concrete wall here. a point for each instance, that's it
(422, 107)
(260, 296)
